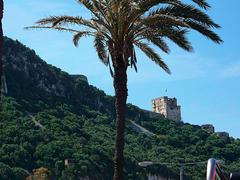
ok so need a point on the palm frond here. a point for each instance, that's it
(101, 8)
(178, 36)
(133, 60)
(100, 45)
(163, 20)
(159, 42)
(66, 20)
(96, 8)
(48, 20)
(202, 3)
(54, 28)
(185, 12)
(145, 6)
(205, 31)
(110, 66)
(78, 35)
(156, 40)
(151, 54)
(87, 3)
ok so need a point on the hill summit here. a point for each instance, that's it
(60, 123)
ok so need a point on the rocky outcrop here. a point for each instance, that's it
(224, 136)
(209, 128)
(79, 77)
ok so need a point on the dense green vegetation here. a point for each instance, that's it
(78, 123)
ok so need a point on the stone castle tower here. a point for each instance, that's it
(167, 107)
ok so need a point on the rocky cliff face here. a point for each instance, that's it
(23, 63)
(29, 77)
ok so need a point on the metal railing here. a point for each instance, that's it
(214, 171)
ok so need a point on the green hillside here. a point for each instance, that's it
(49, 116)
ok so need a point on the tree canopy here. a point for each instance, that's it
(82, 131)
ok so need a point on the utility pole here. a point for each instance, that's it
(181, 172)
(1, 47)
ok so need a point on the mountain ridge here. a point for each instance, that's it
(79, 124)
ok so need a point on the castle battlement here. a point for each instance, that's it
(167, 107)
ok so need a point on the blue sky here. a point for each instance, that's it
(206, 82)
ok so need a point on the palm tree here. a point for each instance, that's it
(118, 26)
(1, 47)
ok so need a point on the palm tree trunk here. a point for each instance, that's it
(120, 86)
(1, 47)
